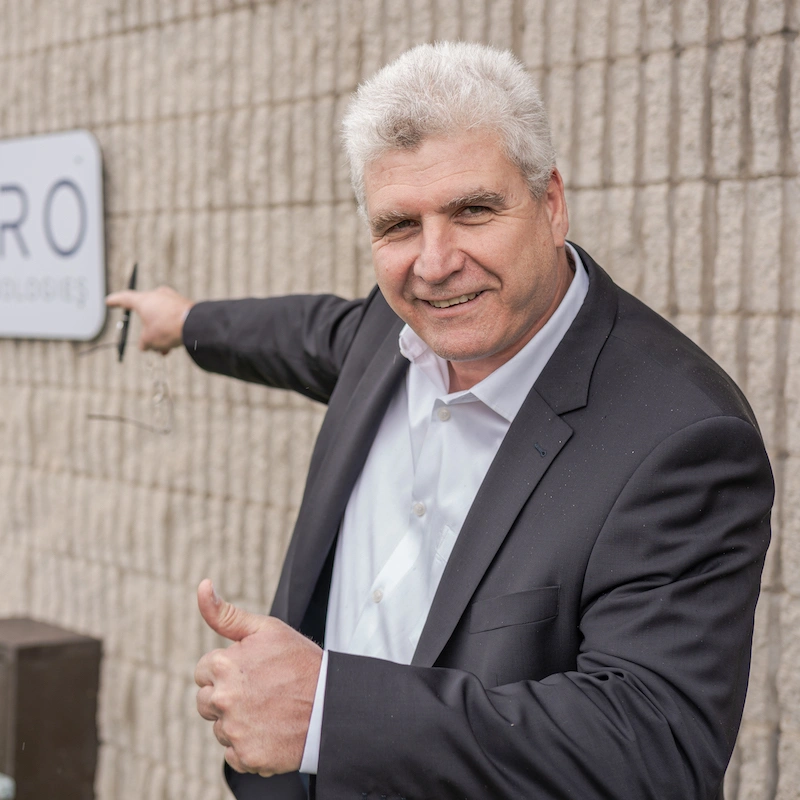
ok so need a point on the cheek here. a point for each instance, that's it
(390, 273)
(498, 251)
(383, 277)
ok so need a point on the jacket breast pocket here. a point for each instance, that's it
(519, 608)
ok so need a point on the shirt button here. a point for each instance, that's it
(419, 509)
(443, 414)
(377, 596)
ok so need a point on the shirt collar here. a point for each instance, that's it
(505, 389)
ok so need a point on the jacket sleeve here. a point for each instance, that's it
(652, 708)
(296, 342)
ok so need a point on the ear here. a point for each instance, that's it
(556, 205)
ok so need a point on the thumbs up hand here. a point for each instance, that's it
(259, 691)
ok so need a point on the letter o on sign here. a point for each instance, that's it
(48, 207)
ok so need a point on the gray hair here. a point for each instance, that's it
(443, 89)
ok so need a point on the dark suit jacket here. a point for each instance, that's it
(591, 634)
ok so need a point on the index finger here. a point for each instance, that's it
(124, 299)
(208, 667)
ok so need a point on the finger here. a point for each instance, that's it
(124, 299)
(220, 734)
(146, 343)
(205, 708)
(207, 668)
(225, 618)
(235, 762)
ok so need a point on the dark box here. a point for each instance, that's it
(49, 679)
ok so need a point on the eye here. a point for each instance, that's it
(473, 212)
(399, 228)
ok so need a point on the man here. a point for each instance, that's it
(536, 514)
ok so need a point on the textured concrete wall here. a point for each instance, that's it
(678, 130)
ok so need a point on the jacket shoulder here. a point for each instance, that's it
(644, 355)
(642, 336)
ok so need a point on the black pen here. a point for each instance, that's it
(126, 317)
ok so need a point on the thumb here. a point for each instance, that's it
(225, 618)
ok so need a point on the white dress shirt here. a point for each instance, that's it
(427, 462)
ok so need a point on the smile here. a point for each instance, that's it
(454, 301)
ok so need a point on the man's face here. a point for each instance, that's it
(462, 251)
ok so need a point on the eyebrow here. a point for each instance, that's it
(381, 221)
(480, 197)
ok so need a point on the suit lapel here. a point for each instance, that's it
(325, 499)
(532, 443)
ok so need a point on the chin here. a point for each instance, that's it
(456, 353)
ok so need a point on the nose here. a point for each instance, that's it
(439, 257)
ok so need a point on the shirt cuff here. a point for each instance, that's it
(310, 762)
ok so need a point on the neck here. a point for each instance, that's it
(465, 374)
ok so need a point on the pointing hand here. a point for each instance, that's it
(162, 312)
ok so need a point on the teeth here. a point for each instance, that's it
(454, 301)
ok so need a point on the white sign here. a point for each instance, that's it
(52, 254)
